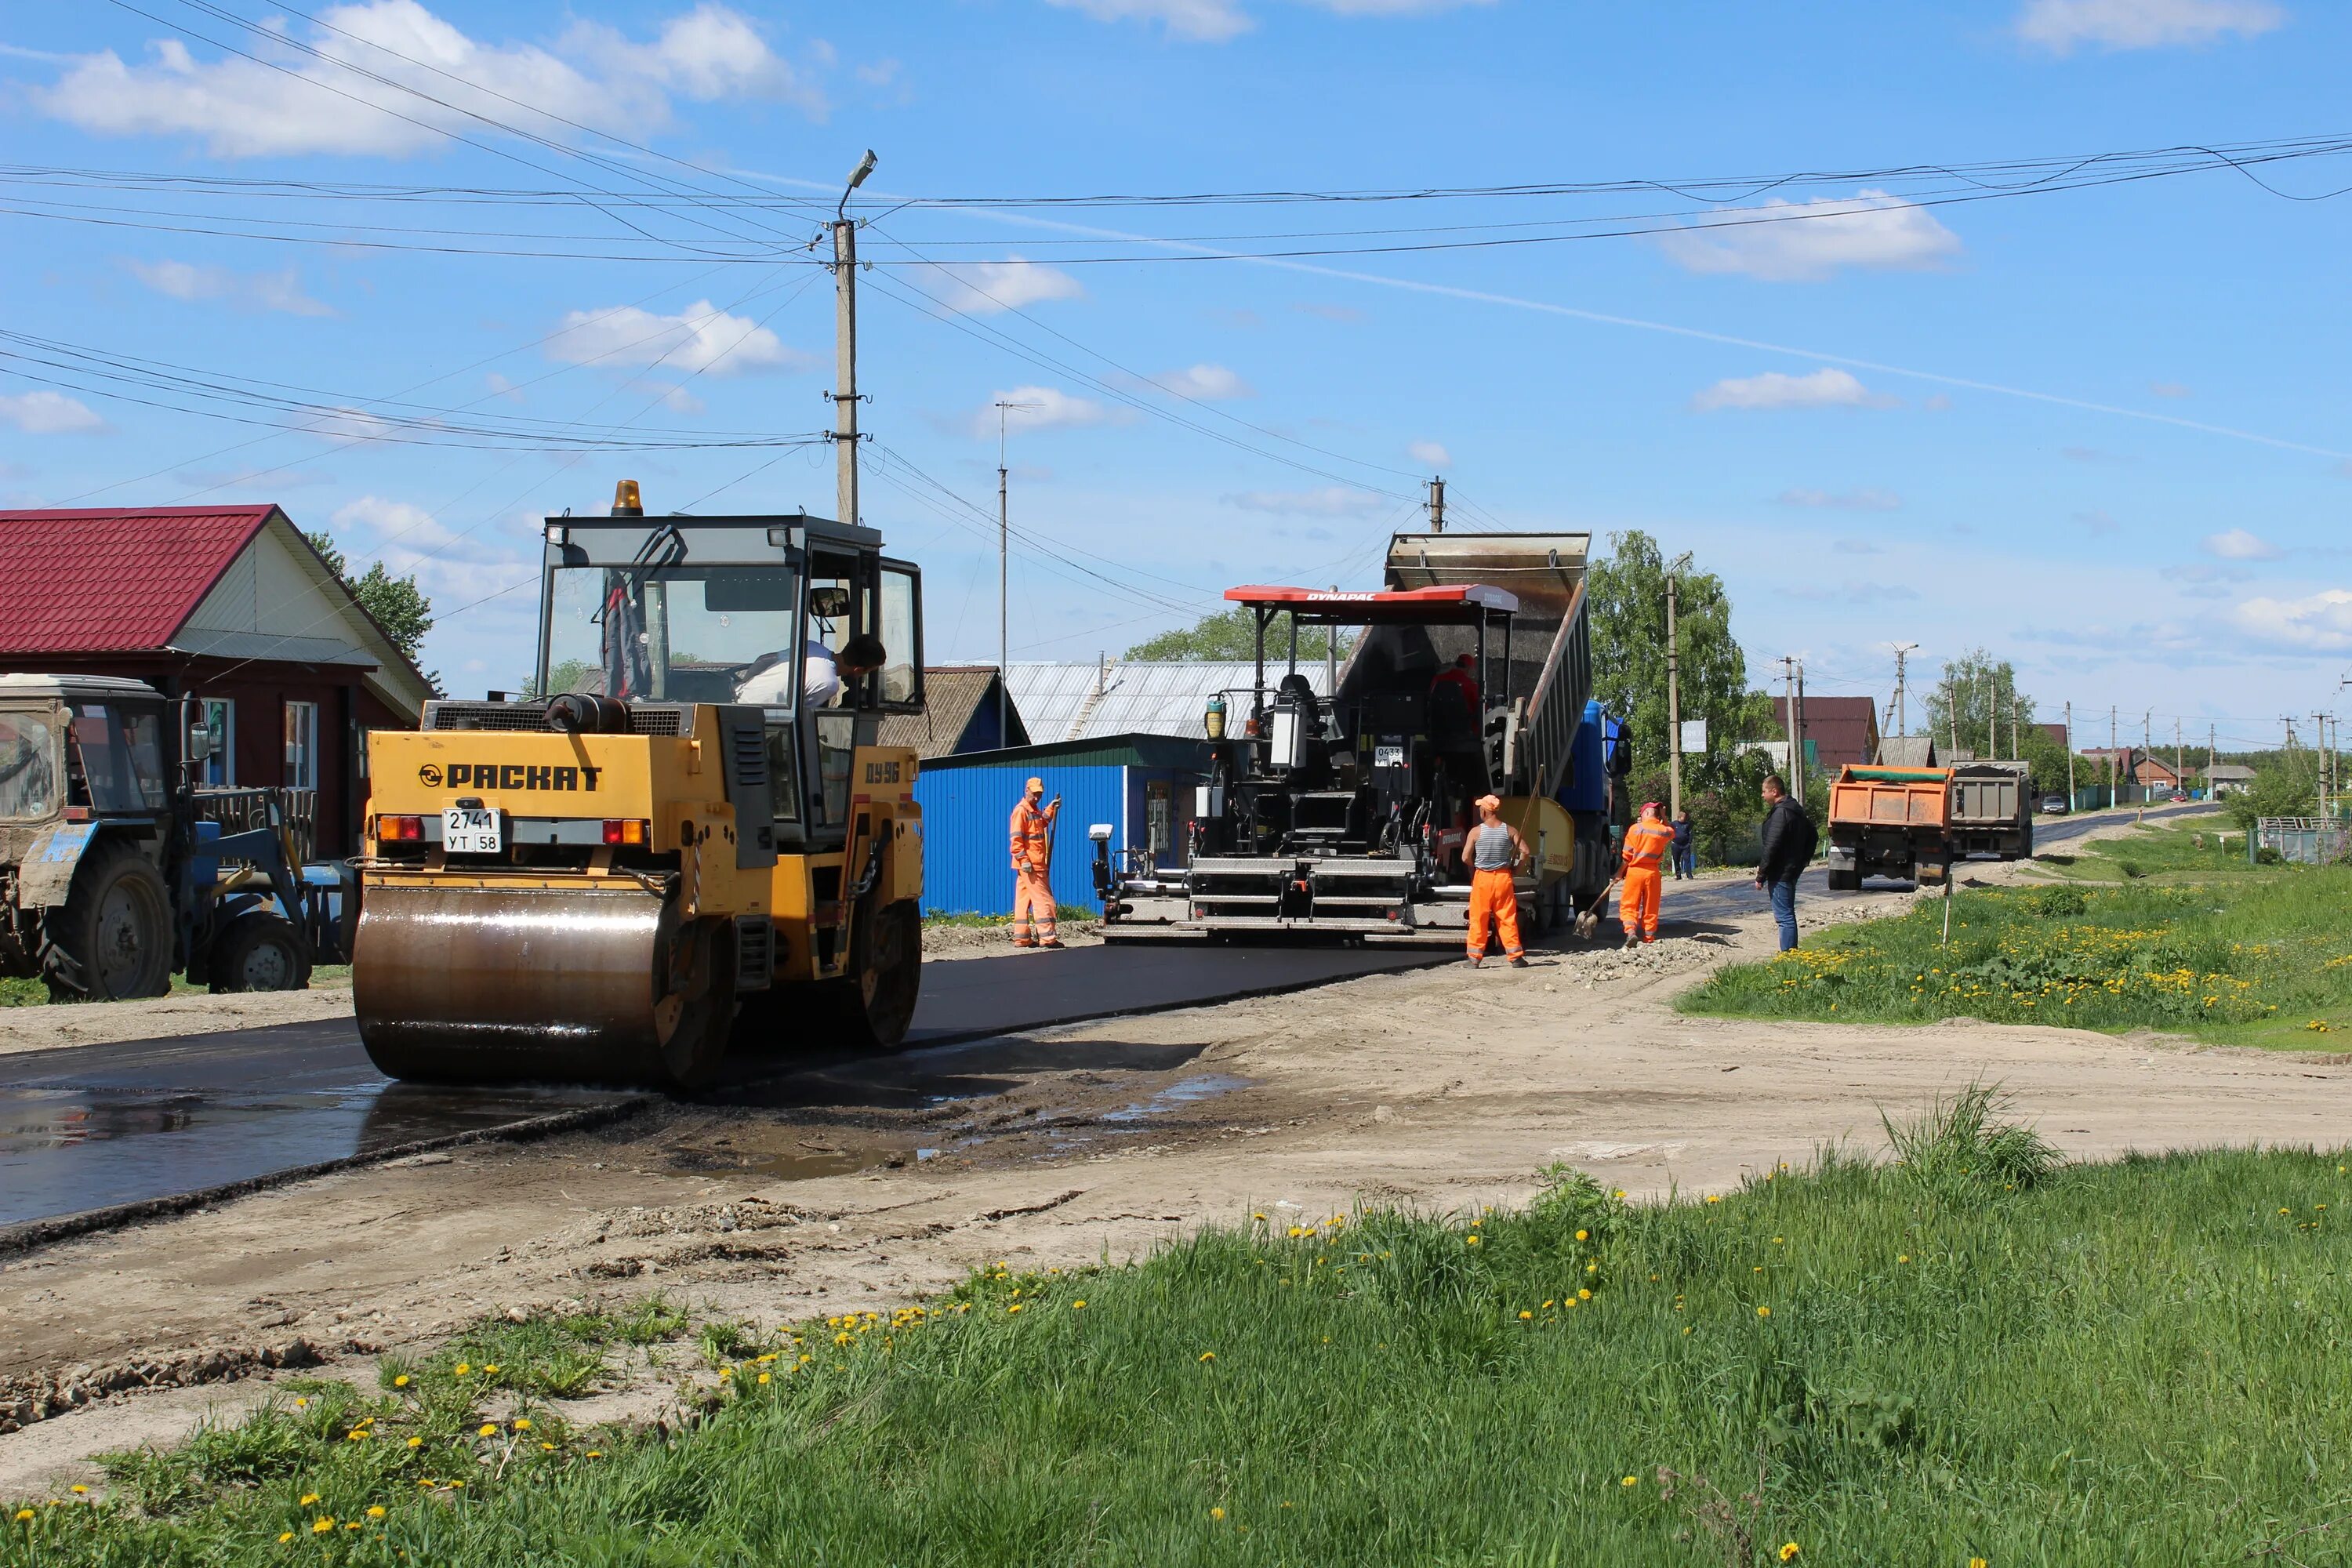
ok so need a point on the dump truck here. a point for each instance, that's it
(1889, 822)
(1993, 811)
(118, 869)
(685, 836)
(1346, 816)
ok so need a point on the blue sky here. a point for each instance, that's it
(2102, 432)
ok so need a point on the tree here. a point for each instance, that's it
(1229, 636)
(1626, 600)
(2285, 783)
(396, 604)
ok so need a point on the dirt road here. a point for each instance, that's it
(1433, 1088)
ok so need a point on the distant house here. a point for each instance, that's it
(2229, 778)
(1115, 696)
(1841, 730)
(2137, 766)
(960, 714)
(231, 609)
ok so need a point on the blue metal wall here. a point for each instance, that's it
(967, 831)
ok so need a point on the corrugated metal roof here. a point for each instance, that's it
(107, 580)
(1086, 701)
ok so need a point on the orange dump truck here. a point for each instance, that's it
(1890, 822)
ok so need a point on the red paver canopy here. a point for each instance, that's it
(1456, 605)
(100, 580)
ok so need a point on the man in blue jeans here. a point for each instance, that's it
(1685, 851)
(1788, 841)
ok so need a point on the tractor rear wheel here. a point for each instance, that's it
(112, 940)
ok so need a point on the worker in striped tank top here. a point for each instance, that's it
(1493, 852)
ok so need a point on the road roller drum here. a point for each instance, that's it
(459, 985)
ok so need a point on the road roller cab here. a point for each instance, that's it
(685, 835)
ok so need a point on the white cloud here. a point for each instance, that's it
(48, 414)
(1215, 21)
(1799, 242)
(500, 387)
(1853, 593)
(411, 540)
(2168, 389)
(1047, 408)
(1194, 21)
(1205, 384)
(985, 288)
(280, 291)
(1844, 500)
(2205, 572)
(2059, 26)
(349, 426)
(1824, 388)
(702, 337)
(2237, 544)
(2320, 622)
(881, 73)
(1430, 455)
(298, 104)
(1331, 501)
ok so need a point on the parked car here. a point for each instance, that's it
(2179, 797)
(2054, 805)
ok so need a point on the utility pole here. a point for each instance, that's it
(2208, 761)
(2180, 766)
(2070, 756)
(1004, 536)
(1437, 504)
(1902, 717)
(2112, 799)
(1673, 694)
(2146, 744)
(1801, 730)
(1789, 711)
(2319, 727)
(1331, 658)
(1993, 714)
(845, 346)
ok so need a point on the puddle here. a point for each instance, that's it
(1188, 1091)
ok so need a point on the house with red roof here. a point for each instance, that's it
(1840, 730)
(231, 609)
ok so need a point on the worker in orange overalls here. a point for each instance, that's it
(1493, 852)
(1647, 844)
(1033, 865)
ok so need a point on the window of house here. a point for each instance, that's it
(302, 745)
(218, 716)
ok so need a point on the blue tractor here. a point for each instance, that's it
(118, 869)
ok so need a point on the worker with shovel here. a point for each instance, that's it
(1494, 852)
(1647, 844)
(1033, 865)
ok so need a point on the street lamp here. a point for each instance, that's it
(1673, 693)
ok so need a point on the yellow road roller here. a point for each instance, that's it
(685, 835)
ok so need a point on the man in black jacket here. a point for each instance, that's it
(1788, 841)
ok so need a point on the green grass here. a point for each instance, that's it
(23, 992)
(2150, 931)
(1970, 1353)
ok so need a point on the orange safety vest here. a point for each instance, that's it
(1646, 844)
(1031, 848)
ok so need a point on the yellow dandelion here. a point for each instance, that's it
(763, 1377)
(401, 1382)
(417, 1442)
(1216, 1514)
(309, 1498)
(1015, 1308)
(1471, 1240)
(321, 1526)
(595, 1453)
(78, 1489)
(491, 1370)
(488, 1430)
(521, 1423)
(1527, 1317)
(1208, 1355)
(1789, 1550)
(1077, 1306)
(463, 1369)
(375, 1511)
(1581, 1235)
(1584, 1295)
(1766, 1312)
(284, 1536)
(23, 1514)
(1978, 1562)
(1631, 1481)
(301, 1405)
